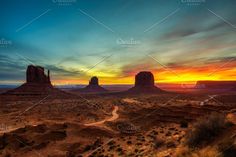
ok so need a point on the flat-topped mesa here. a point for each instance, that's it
(35, 74)
(144, 83)
(37, 83)
(144, 79)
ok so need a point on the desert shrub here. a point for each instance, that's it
(5, 154)
(119, 149)
(168, 133)
(208, 152)
(129, 142)
(182, 151)
(70, 154)
(87, 148)
(111, 143)
(185, 151)
(139, 144)
(154, 132)
(158, 142)
(230, 151)
(206, 129)
(183, 124)
(170, 144)
(228, 147)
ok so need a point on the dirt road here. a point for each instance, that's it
(115, 116)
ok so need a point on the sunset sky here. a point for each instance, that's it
(178, 40)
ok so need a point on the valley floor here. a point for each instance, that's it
(94, 125)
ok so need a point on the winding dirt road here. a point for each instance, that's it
(115, 116)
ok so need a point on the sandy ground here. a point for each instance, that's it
(61, 127)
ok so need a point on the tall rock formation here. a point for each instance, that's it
(93, 81)
(37, 83)
(144, 83)
(93, 86)
(144, 79)
(35, 74)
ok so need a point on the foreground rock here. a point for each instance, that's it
(144, 83)
(93, 86)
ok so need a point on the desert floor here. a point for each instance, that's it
(106, 125)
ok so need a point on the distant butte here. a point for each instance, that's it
(144, 79)
(93, 81)
(144, 83)
(37, 83)
(93, 86)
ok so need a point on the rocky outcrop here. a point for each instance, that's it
(37, 83)
(94, 81)
(144, 83)
(144, 79)
(93, 86)
(35, 74)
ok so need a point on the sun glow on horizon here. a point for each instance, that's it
(160, 77)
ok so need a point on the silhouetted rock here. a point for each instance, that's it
(94, 81)
(37, 83)
(144, 83)
(144, 79)
(93, 86)
(35, 74)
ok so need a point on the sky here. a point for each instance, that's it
(178, 40)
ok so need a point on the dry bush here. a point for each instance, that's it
(5, 153)
(206, 129)
(208, 152)
(228, 147)
(158, 142)
(185, 151)
(183, 124)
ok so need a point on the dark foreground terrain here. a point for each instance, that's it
(161, 125)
